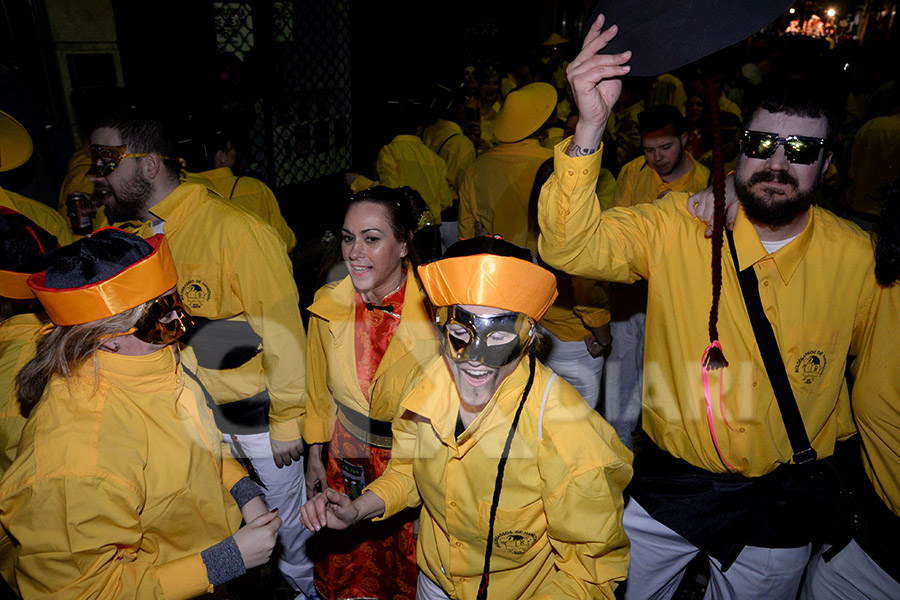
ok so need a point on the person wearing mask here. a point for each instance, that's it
(122, 486)
(520, 482)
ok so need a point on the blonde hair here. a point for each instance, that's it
(64, 349)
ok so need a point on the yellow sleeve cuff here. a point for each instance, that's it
(285, 431)
(318, 430)
(184, 578)
(232, 471)
(592, 317)
(392, 492)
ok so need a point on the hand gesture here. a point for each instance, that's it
(330, 509)
(595, 83)
(257, 538)
(702, 204)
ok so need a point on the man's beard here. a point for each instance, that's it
(773, 209)
(126, 204)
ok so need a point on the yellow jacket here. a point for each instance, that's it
(447, 140)
(119, 485)
(638, 182)
(18, 338)
(40, 213)
(408, 161)
(876, 399)
(818, 291)
(558, 529)
(233, 266)
(496, 189)
(331, 370)
(255, 196)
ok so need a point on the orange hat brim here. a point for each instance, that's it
(141, 282)
(502, 282)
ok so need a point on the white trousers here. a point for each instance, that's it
(286, 490)
(659, 557)
(573, 362)
(426, 589)
(849, 574)
(622, 390)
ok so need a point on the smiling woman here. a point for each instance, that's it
(479, 413)
(366, 333)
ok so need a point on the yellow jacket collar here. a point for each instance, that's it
(143, 376)
(337, 307)
(436, 398)
(750, 249)
(181, 200)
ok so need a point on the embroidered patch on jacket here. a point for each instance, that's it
(515, 542)
(810, 366)
(195, 293)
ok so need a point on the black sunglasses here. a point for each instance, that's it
(797, 148)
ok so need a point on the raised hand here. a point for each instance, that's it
(595, 85)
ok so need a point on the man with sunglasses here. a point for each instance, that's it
(713, 473)
(236, 281)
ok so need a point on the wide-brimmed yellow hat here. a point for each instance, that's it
(15, 143)
(524, 111)
(554, 40)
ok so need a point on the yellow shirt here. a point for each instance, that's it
(331, 368)
(558, 529)
(231, 265)
(817, 290)
(876, 399)
(638, 182)
(255, 196)
(18, 338)
(496, 189)
(408, 161)
(44, 216)
(119, 485)
(448, 141)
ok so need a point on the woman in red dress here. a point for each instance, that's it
(366, 333)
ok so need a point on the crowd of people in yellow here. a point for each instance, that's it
(587, 330)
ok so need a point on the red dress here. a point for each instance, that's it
(370, 559)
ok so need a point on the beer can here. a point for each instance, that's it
(80, 207)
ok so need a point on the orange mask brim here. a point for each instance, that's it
(145, 280)
(489, 280)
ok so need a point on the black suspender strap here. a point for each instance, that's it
(441, 147)
(234, 187)
(768, 348)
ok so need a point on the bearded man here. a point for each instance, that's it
(714, 474)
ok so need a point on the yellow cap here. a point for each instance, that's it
(502, 282)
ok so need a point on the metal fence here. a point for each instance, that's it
(300, 127)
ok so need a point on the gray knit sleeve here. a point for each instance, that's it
(245, 490)
(223, 561)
